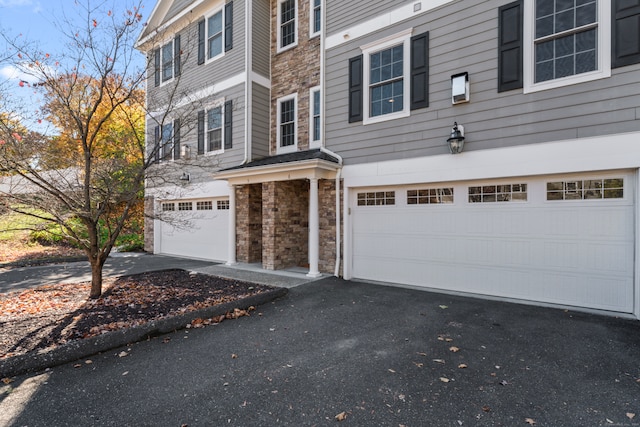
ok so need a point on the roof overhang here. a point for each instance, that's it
(305, 169)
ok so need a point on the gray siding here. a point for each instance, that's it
(345, 13)
(195, 77)
(463, 37)
(260, 131)
(260, 37)
(200, 167)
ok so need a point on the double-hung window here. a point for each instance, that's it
(315, 133)
(287, 24)
(386, 78)
(214, 129)
(166, 61)
(215, 35)
(315, 20)
(287, 123)
(566, 42)
(166, 142)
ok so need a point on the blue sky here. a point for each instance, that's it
(36, 21)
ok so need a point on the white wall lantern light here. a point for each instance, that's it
(456, 140)
(460, 88)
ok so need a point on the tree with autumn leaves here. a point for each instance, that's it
(84, 172)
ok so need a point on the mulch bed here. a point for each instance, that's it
(48, 316)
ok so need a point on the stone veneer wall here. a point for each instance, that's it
(249, 223)
(327, 206)
(285, 224)
(149, 213)
(295, 70)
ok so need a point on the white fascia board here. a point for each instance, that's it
(218, 188)
(599, 153)
(374, 25)
(314, 168)
(142, 40)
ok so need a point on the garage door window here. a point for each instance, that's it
(223, 205)
(377, 198)
(168, 207)
(206, 205)
(430, 196)
(587, 189)
(185, 206)
(498, 193)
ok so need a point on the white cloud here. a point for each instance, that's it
(10, 72)
(11, 3)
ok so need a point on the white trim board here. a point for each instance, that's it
(576, 155)
(374, 25)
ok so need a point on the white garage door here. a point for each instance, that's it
(195, 229)
(561, 239)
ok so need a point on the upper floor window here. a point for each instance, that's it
(287, 24)
(315, 20)
(314, 117)
(287, 123)
(214, 129)
(566, 42)
(167, 61)
(386, 79)
(166, 144)
(214, 35)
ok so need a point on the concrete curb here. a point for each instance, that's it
(79, 349)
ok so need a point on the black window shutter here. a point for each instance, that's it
(228, 26)
(420, 71)
(201, 42)
(201, 132)
(156, 144)
(176, 139)
(177, 68)
(625, 33)
(228, 124)
(510, 46)
(355, 89)
(156, 67)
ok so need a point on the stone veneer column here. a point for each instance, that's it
(314, 228)
(231, 256)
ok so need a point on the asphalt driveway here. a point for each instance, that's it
(383, 356)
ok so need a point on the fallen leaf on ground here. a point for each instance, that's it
(630, 415)
(234, 356)
(462, 366)
(439, 361)
(123, 354)
(529, 421)
(7, 380)
(77, 365)
(88, 362)
(422, 354)
(454, 349)
(444, 380)
(341, 416)
(392, 371)
(504, 382)
(444, 307)
(419, 365)
(486, 408)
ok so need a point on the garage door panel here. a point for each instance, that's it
(578, 253)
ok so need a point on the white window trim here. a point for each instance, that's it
(294, 147)
(215, 104)
(312, 32)
(295, 41)
(603, 61)
(403, 38)
(206, 35)
(313, 143)
(173, 59)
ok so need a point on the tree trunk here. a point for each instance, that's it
(96, 278)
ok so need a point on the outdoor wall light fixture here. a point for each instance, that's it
(456, 140)
(185, 177)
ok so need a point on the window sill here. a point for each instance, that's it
(287, 47)
(386, 117)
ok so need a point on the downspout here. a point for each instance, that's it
(322, 134)
(248, 80)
